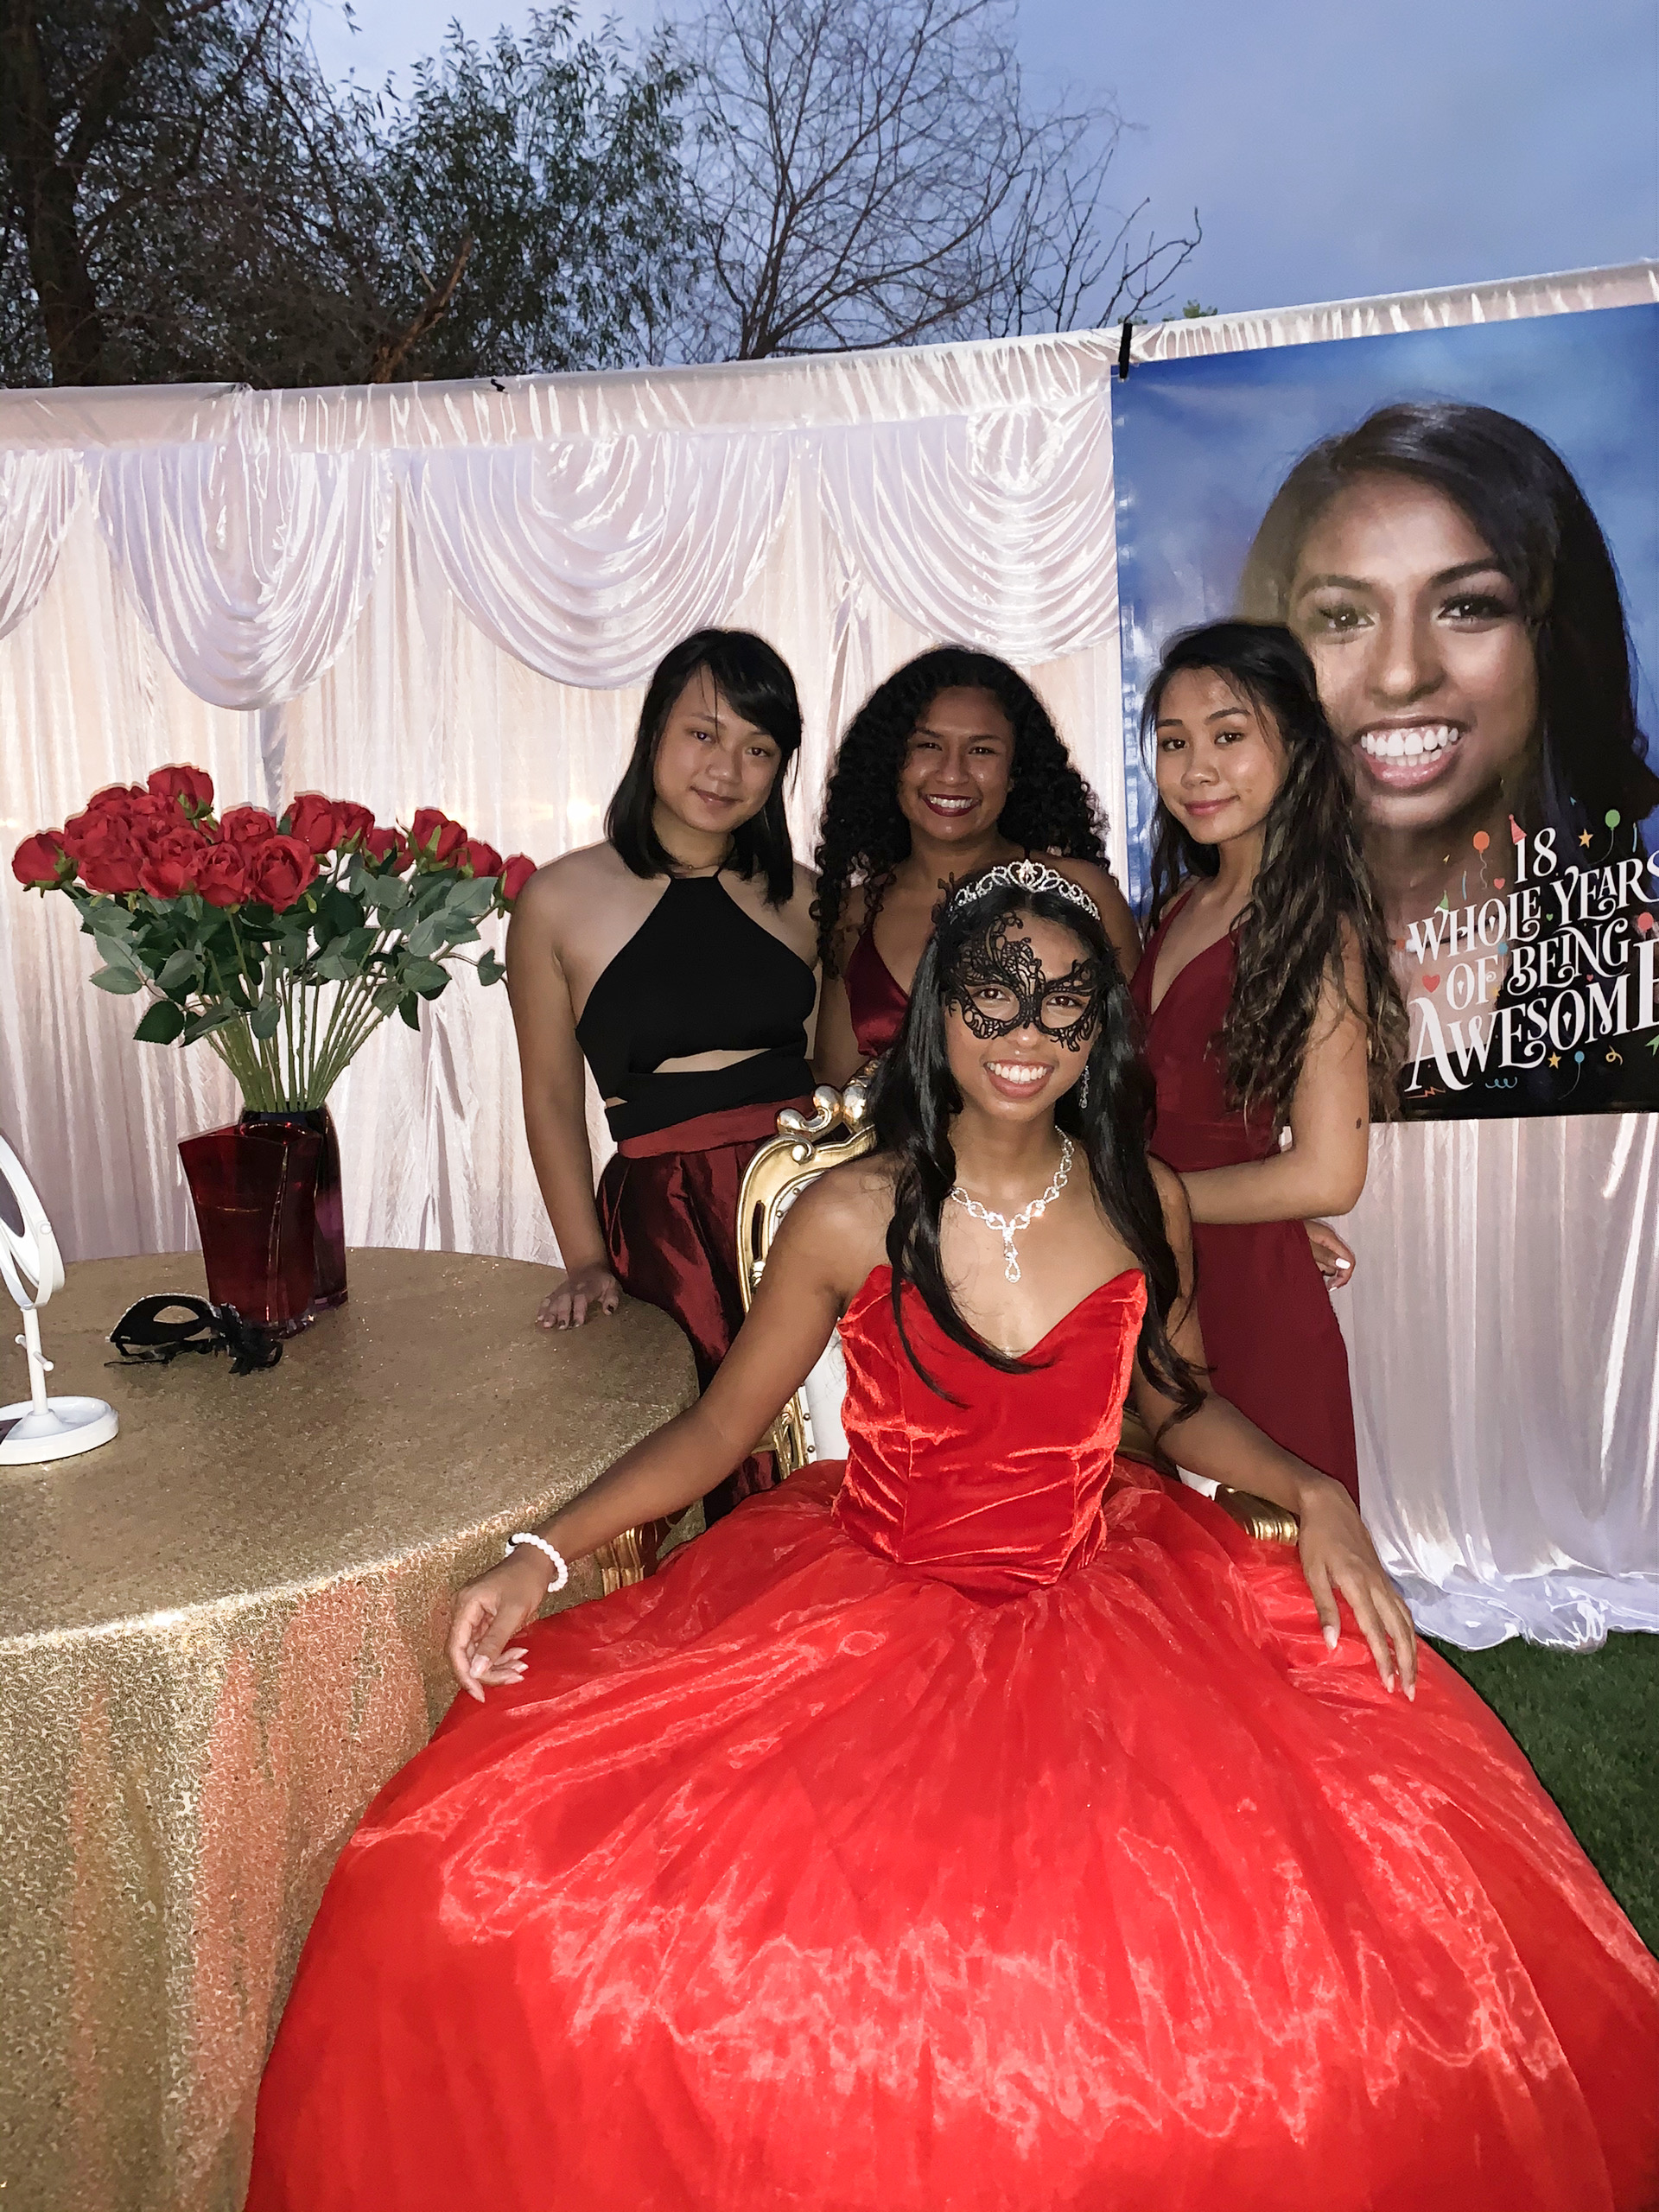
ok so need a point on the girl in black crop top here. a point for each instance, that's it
(677, 961)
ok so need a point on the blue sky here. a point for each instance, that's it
(1333, 150)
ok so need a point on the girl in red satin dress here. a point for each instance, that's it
(983, 1824)
(1269, 1011)
(676, 961)
(950, 766)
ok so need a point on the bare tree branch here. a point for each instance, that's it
(871, 172)
(391, 352)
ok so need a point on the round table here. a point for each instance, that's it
(219, 1634)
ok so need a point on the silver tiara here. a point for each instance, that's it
(1023, 875)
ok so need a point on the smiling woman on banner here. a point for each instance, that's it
(1454, 590)
(983, 1824)
(952, 765)
(676, 960)
(1270, 1011)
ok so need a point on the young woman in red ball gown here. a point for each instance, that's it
(675, 960)
(978, 1824)
(950, 765)
(1270, 1012)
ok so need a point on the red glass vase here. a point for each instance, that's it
(255, 1194)
(328, 1288)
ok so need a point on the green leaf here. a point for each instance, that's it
(409, 1008)
(388, 998)
(490, 970)
(161, 1025)
(200, 1024)
(389, 895)
(424, 977)
(426, 937)
(108, 917)
(180, 969)
(473, 896)
(266, 1018)
(335, 965)
(121, 981)
(337, 916)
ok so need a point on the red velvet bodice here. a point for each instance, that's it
(1001, 1491)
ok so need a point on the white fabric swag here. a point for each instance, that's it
(453, 594)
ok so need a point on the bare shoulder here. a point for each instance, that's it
(1098, 882)
(842, 1220)
(849, 925)
(580, 874)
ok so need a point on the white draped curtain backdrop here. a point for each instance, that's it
(454, 595)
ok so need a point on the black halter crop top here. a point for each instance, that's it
(697, 976)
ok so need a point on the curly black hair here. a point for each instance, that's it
(864, 837)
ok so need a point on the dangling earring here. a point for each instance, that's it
(1083, 1090)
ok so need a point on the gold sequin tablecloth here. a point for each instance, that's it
(219, 1634)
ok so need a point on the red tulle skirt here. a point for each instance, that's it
(795, 1878)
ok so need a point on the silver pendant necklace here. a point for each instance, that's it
(1007, 1230)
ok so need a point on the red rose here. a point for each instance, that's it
(170, 861)
(168, 877)
(482, 858)
(190, 788)
(315, 821)
(159, 839)
(279, 871)
(354, 821)
(39, 861)
(101, 835)
(436, 838)
(114, 872)
(118, 798)
(246, 825)
(222, 877)
(382, 845)
(515, 874)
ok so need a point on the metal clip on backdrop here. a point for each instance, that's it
(38, 1427)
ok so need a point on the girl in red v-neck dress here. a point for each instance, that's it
(1270, 1333)
(1269, 1014)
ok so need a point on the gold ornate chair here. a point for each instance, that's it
(806, 1146)
(838, 1129)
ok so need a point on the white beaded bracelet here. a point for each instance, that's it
(561, 1572)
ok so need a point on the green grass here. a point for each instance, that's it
(1586, 1720)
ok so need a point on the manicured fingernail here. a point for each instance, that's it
(1331, 1633)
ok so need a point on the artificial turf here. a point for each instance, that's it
(1586, 1720)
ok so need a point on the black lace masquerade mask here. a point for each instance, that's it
(999, 985)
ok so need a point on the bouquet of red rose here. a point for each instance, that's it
(284, 942)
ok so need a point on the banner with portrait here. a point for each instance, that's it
(1462, 527)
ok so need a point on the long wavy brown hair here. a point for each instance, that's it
(1312, 893)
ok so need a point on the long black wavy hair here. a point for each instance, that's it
(1520, 497)
(756, 683)
(1312, 889)
(917, 1099)
(863, 836)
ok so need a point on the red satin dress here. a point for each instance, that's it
(972, 1829)
(875, 999)
(1271, 1337)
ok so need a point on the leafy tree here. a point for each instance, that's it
(187, 199)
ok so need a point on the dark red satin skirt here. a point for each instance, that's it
(668, 1208)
